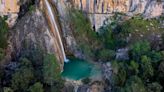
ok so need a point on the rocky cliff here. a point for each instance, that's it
(29, 33)
(151, 7)
(97, 10)
(100, 10)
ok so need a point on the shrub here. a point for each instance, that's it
(51, 73)
(120, 74)
(1, 76)
(36, 56)
(86, 80)
(154, 87)
(134, 84)
(110, 39)
(2, 54)
(140, 48)
(37, 87)
(106, 55)
(3, 33)
(51, 69)
(133, 24)
(147, 69)
(23, 76)
(133, 68)
(7, 89)
(161, 72)
(86, 38)
(155, 56)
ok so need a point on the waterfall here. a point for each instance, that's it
(51, 14)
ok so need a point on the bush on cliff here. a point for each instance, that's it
(37, 87)
(23, 76)
(51, 73)
(134, 84)
(119, 73)
(135, 33)
(2, 54)
(140, 48)
(86, 38)
(3, 33)
(91, 42)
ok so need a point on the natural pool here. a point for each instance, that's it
(77, 69)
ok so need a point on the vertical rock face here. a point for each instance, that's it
(151, 7)
(100, 10)
(101, 6)
(31, 31)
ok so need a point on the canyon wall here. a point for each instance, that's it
(99, 13)
(99, 10)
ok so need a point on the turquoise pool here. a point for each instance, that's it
(77, 69)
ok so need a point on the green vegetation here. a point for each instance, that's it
(23, 77)
(135, 23)
(140, 48)
(32, 8)
(2, 54)
(133, 67)
(6, 89)
(36, 71)
(3, 36)
(51, 73)
(51, 69)
(119, 71)
(3, 33)
(37, 87)
(146, 67)
(140, 72)
(143, 72)
(154, 87)
(138, 29)
(134, 84)
(87, 39)
(106, 54)
(138, 24)
(86, 80)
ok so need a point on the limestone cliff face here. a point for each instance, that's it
(100, 10)
(151, 7)
(31, 31)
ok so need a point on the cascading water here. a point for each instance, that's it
(52, 19)
(76, 69)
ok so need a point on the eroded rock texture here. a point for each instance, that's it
(100, 10)
(31, 32)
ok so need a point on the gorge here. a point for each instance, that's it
(81, 46)
(85, 68)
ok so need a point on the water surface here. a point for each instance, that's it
(77, 69)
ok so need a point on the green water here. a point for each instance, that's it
(77, 69)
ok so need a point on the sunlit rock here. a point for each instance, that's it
(9, 8)
(99, 10)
